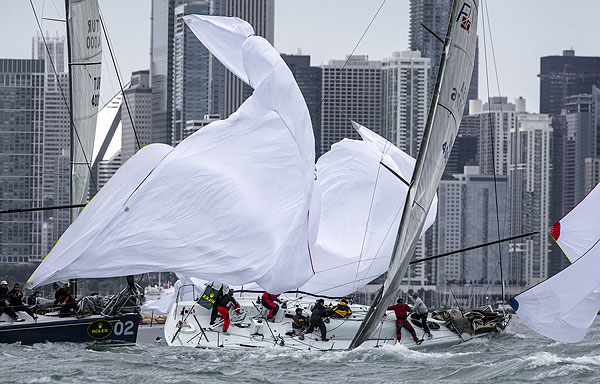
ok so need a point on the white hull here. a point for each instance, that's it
(183, 328)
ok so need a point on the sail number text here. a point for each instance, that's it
(93, 40)
(124, 329)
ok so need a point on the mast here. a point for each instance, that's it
(445, 114)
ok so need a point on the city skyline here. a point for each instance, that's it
(520, 36)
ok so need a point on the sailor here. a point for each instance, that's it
(316, 319)
(401, 311)
(4, 308)
(420, 312)
(65, 300)
(15, 299)
(299, 323)
(32, 300)
(341, 310)
(268, 301)
(223, 304)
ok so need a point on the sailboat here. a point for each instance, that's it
(84, 53)
(188, 323)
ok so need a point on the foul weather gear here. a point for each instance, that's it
(268, 301)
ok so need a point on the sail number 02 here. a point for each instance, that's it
(124, 329)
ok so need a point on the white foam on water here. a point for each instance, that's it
(545, 359)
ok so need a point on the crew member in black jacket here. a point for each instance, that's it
(316, 319)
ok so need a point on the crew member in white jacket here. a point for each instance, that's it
(420, 312)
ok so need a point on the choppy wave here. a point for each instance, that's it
(515, 356)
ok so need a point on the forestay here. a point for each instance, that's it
(445, 114)
(564, 306)
(229, 203)
(85, 55)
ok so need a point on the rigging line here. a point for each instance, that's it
(137, 140)
(67, 104)
(499, 93)
(473, 247)
(362, 247)
(43, 208)
(353, 50)
(492, 139)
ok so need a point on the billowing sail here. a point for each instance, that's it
(362, 199)
(564, 306)
(84, 37)
(230, 203)
(445, 114)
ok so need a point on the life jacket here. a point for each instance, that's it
(298, 321)
(341, 310)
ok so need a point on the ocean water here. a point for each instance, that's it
(518, 355)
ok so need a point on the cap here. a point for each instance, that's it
(4, 282)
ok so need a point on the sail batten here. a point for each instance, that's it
(444, 117)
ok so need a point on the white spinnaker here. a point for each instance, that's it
(564, 306)
(85, 56)
(229, 203)
(445, 114)
(578, 231)
(361, 207)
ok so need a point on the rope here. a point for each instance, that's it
(137, 140)
(492, 136)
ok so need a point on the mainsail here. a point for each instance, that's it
(85, 54)
(445, 114)
(232, 202)
(564, 306)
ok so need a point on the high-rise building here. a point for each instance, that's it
(139, 102)
(435, 15)
(577, 144)
(196, 89)
(354, 93)
(496, 121)
(405, 99)
(56, 158)
(21, 156)
(261, 15)
(161, 68)
(218, 88)
(529, 194)
(561, 77)
(467, 217)
(309, 82)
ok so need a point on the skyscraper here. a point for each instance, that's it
(529, 194)
(435, 15)
(466, 217)
(354, 93)
(309, 81)
(56, 144)
(214, 86)
(261, 15)
(405, 99)
(21, 156)
(161, 68)
(139, 101)
(496, 121)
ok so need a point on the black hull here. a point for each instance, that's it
(114, 330)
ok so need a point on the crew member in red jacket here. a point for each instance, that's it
(268, 301)
(401, 311)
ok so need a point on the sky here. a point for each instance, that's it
(522, 31)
